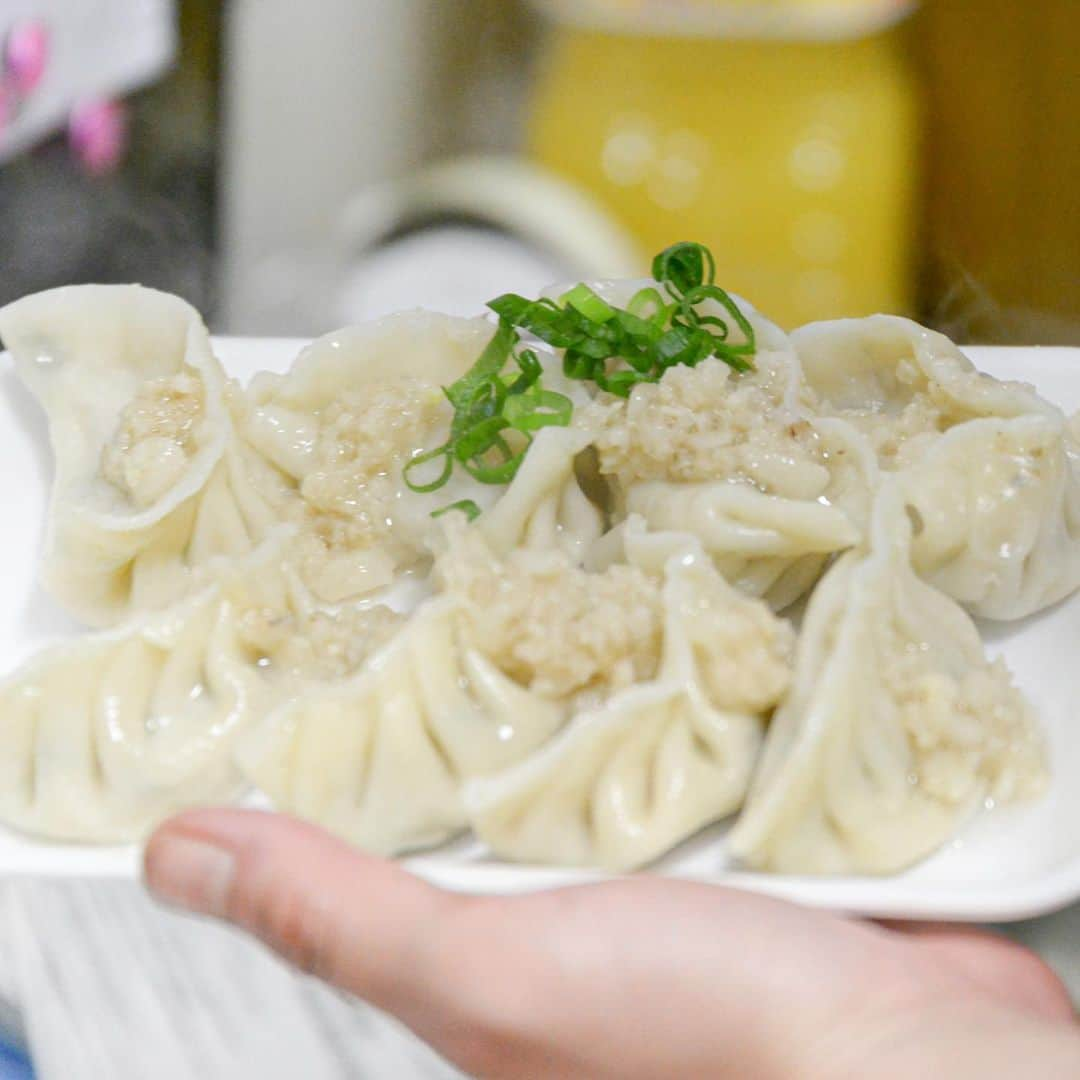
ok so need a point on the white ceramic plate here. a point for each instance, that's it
(1009, 864)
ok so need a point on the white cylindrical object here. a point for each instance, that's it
(318, 103)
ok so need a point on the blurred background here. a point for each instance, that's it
(291, 172)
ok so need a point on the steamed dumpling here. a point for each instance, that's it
(380, 759)
(337, 431)
(138, 424)
(667, 749)
(897, 726)
(997, 505)
(103, 736)
(162, 466)
(739, 461)
(988, 465)
(508, 653)
(770, 546)
(901, 384)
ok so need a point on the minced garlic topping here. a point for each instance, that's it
(972, 734)
(363, 435)
(351, 484)
(745, 653)
(708, 423)
(553, 627)
(318, 645)
(363, 442)
(156, 438)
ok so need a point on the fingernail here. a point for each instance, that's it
(191, 874)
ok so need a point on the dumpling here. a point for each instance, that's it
(988, 465)
(138, 424)
(770, 494)
(897, 727)
(379, 759)
(997, 507)
(162, 465)
(709, 422)
(668, 750)
(486, 672)
(738, 460)
(902, 384)
(340, 428)
(103, 736)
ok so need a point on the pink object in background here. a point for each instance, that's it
(97, 132)
(26, 56)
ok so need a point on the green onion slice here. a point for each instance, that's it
(423, 459)
(466, 506)
(583, 299)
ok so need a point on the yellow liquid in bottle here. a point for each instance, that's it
(794, 161)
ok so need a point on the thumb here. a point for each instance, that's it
(358, 922)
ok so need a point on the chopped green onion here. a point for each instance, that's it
(537, 408)
(496, 414)
(582, 298)
(423, 459)
(498, 472)
(490, 362)
(683, 267)
(482, 437)
(466, 506)
(714, 292)
(621, 382)
(543, 317)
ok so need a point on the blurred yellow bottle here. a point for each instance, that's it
(794, 159)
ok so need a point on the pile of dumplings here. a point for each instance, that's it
(599, 665)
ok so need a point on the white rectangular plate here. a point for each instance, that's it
(1009, 864)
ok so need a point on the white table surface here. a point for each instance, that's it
(99, 983)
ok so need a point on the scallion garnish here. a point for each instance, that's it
(466, 506)
(496, 414)
(583, 300)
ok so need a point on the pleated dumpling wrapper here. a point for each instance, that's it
(138, 425)
(380, 758)
(162, 465)
(103, 736)
(897, 728)
(338, 431)
(989, 466)
(664, 742)
(737, 459)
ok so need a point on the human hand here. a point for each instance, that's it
(642, 977)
